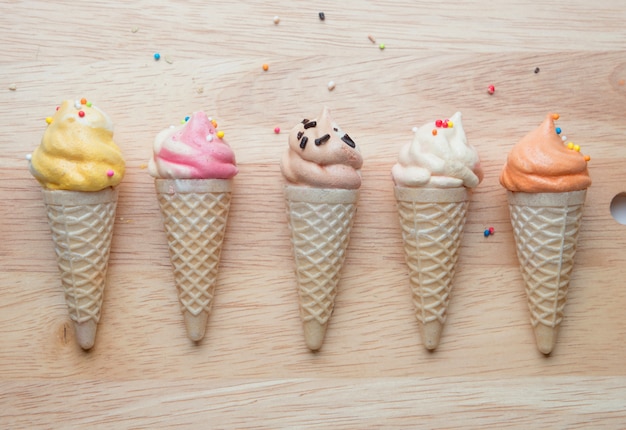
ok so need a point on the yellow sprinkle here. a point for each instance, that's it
(570, 145)
(49, 120)
(450, 124)
(577, 148)
(220, 134)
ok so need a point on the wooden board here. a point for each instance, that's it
(252, 370)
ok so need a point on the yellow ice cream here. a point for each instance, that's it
(77, 151)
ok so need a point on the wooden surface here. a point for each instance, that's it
(252, 369)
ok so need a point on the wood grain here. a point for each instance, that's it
(252, 370)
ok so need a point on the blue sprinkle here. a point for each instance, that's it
(558, 130)
(486, 233)
(157, 56)
(186, 118)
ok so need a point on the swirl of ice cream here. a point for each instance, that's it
(542, 163)
(77, 151)
(194, 150)
(321, 155)
(438, 157)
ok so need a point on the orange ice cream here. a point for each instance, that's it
(542, 163)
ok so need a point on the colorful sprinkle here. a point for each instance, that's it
(220, 134)
(29, 156)
(214, 123)
(186, 118)
(450, 124)
(81, 113)
(563, 138)
(492, 230)
(587, 158)
(577, 148)
(49, 119)
(558, 130)
(276, 19)
(434, 132)
(157, 56)
(209, 138)
(555, 116)
(322, 16)
(414, 129)
(491, 89)
(110, 173)
(83, 101)
(77, 104)
(276, 130)
(331, 85)
(570, 145)
(266, 67)
(486, 233)
(444, 124)
(438, 123)
(89, 104)
(381, 46)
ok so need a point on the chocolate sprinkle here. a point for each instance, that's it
(304, 121)
(310, 124)
(322, 16)
(335, 129)
(300, 133)
(322, 139)
(303, 142)
(348, 141)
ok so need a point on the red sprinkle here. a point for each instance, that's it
(491, 89)
(491, 230)
(438, 123)
(277, 130)
(444, 124)
(81, 113)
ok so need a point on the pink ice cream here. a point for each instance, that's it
(192, 151)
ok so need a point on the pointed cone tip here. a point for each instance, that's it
(86, 334)
(431, 334)
(314, 334)
(196, 325)
(545, 337)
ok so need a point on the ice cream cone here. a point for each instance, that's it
(320, 221)
(432, 222)
(545, 226)
(82, 228)
(195, 214)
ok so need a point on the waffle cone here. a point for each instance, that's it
(195, 214)
(432, 222)
(320, 221)
(546, 226)
(82, 227)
